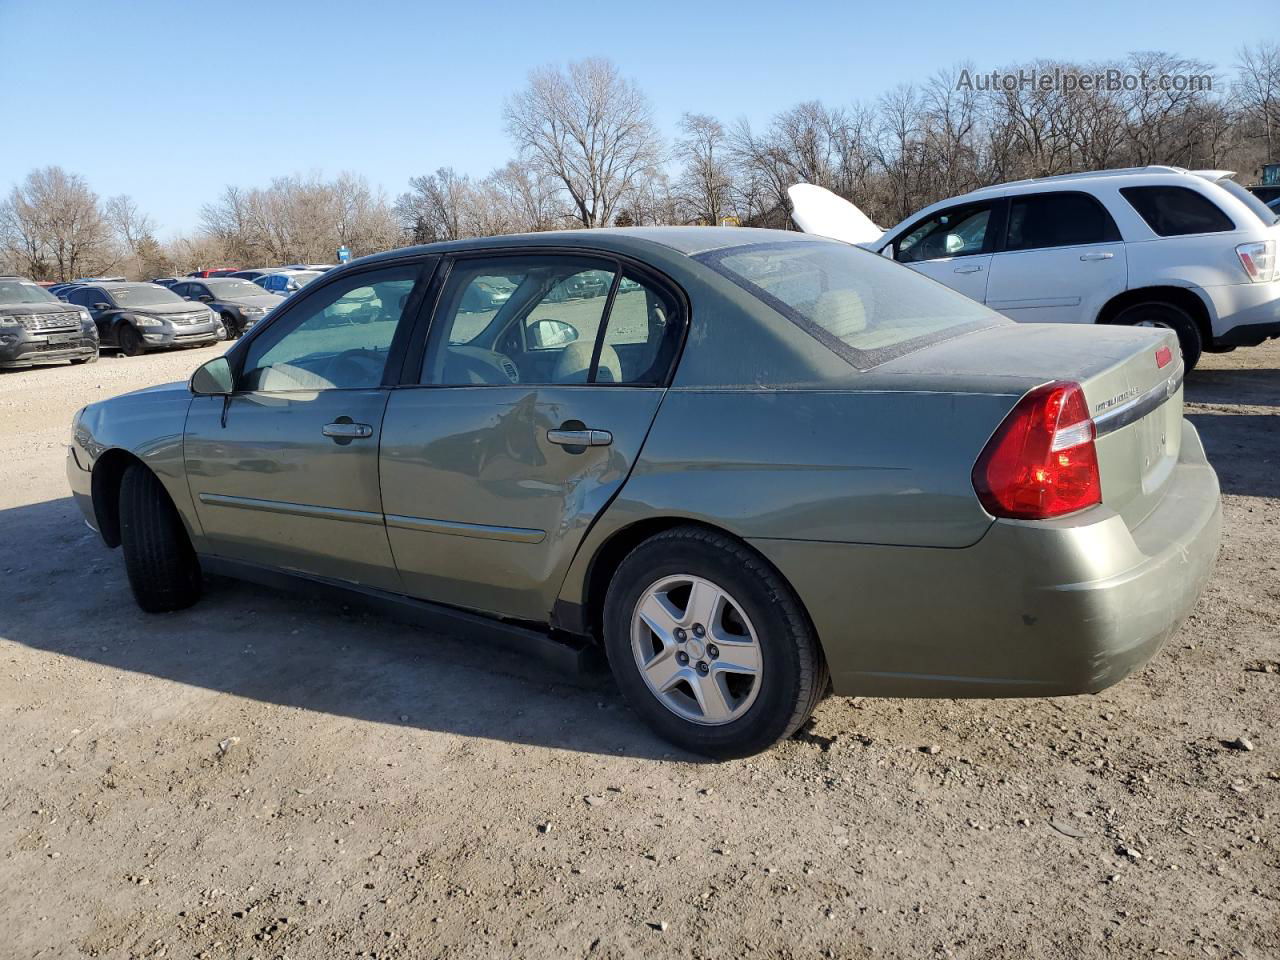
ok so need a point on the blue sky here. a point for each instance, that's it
(170, 101)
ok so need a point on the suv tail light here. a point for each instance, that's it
(1041, 461)
(1258, 260)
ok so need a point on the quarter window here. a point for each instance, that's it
(1177, 211)
(957, 232)
(1058, 220)
(337, 339)
(549, 320)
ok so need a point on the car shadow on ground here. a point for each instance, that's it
(1254, 388)
(1245, 450)
(64, 593)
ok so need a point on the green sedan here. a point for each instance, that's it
(754, 467)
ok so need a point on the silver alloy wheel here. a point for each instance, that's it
(696, 649)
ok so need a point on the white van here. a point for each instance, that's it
(1153, 246)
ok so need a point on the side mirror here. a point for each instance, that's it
(206, 299)
(552, 333)
(102, 306)
(214, 379)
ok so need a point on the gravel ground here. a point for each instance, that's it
(266, 777)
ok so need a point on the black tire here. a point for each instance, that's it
(794, 676)
(234, 329)
(129, 340)
(1160, 314)
(163, 569)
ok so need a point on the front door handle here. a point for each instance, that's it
(1096, 256)
(580, 438)
(343, 430)
(971, 268)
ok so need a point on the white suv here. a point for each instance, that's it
(1189, 250)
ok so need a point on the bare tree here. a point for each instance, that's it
(706, 181)
(1257, 90)
(53, 225)
(590, 129)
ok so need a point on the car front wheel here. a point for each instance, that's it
(710, 646)
(130, 341)
(164, 572)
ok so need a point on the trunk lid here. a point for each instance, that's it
(818, 211)
(1132, 382)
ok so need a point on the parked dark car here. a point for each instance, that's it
(285, 282)
(136, 317)
(238, 302)
(37, 327)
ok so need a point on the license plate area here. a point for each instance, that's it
(63, 337)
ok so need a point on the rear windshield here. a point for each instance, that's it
(864, 307)
(1256, 206)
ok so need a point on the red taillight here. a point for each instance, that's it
(1163, 356)
(1041, 462)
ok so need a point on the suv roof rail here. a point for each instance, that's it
(1089, 174)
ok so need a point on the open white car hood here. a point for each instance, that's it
(818, 211)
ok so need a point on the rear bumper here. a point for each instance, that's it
(1247, 313)
(1033, 609)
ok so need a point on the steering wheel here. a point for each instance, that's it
(352, 368)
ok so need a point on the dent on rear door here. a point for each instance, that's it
(483, 511)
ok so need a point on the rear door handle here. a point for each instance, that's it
(1096, 256)
(580, 438)
(971, 268)
(343, 430)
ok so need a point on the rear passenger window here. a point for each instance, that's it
(1177, 211)
(1058, 220)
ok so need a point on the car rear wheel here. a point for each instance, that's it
(1171, 317)
(130, 340)
(163, 569)
(710, 646)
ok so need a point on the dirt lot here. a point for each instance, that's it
(266, 777)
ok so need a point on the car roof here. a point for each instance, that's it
(686, 240)
(1123, 177)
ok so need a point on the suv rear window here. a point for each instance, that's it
(1058, 220)
(865, 308)
(1177, 211)
(1250, 200)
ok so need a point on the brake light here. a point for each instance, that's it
(1258, 260)
(1163, 356)
(1041, 462)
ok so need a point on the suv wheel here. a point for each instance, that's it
(710, 646)
(130, 340)
(1171, 317)
(164, 572)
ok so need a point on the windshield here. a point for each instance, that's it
(864, 307)
(1250, 200)
(22, 291)
(141, 294)
(233, 288)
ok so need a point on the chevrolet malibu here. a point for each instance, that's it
(754, 467)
